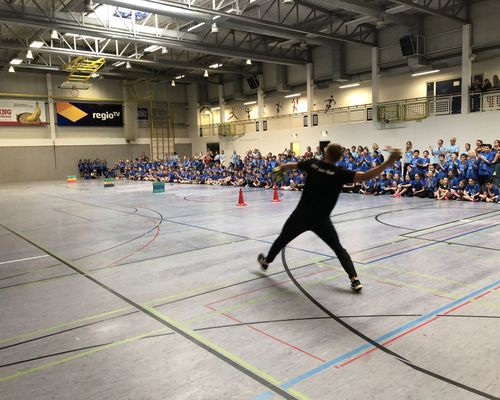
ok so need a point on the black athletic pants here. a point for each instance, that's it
(296, 225)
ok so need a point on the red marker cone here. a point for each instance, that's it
(276, 197)
(241, 200)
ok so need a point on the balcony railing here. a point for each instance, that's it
(390, 112)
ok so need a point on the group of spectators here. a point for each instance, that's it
(478, 85)
(92, 169)
(443, 172)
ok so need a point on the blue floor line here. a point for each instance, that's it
(394, 332)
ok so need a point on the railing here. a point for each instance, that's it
(397, 111)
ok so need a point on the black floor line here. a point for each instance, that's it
(456, 244)
(276, 389)
(213, 328)
(73, 215)
(374, 343)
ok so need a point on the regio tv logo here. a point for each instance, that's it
(104, 116)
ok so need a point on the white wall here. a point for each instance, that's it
(466, 128)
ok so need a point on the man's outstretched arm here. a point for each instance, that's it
(364, 176)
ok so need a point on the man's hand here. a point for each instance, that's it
(395, 154)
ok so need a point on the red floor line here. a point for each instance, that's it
(272, 337)
(389, 341)
(138, 250)
(484, 294)
(266, 287)
(406, 333)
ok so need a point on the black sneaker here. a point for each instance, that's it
(356, 285)
(261, 259)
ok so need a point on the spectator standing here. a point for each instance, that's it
(440, 149)
(452, 148)
(408, 156)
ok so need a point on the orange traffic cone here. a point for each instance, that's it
(241, 200)
(276, 197)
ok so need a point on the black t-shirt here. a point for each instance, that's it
(323, 185)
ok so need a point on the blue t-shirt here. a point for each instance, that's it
(472, 189)
(451, 149)
(484, 167)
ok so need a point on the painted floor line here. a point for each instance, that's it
(22, 259)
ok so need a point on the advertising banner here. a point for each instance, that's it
(89, 114)
(22, 113)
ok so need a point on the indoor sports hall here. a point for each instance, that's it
(249, 199)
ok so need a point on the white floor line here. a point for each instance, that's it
(22, 259)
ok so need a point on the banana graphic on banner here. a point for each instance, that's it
(30, 118)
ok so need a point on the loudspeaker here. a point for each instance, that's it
(408, 45)
(253, 82)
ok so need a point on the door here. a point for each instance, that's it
(295, 147)
(213, 147)
(322, 145)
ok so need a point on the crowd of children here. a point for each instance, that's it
(93, 169)
(442, 172)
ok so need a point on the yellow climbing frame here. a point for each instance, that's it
(81, 68)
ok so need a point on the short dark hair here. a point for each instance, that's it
(333, 152)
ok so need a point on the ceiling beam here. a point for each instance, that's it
(361, 7)
(232, 21)
(432, 11)
(69, 26)
(113, 57)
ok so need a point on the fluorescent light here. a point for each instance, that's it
(180, 76)
(195, 26)
(248, 62)
(249, 103)
(95, 75)
(172, 83)
(29, 55)
(216, 17)
(205, 74)
(152, 48)
(16, 61)
(54, 35)
(36, 44)
(292, 95)
(214, 66)
(128, 65)
(426, 72)
(11, 69)
(349, 85)
(215, 28)
(215, 108)
(119, 63)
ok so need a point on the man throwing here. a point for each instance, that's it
(323, 185)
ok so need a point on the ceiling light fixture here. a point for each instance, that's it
(54, 35)
(215, 108)
(216, 17)
(164, 50)
(349, 85)
(215, 28)
(425, 72)
(36, 44)
(205, 74)
(180, 76)
(118, 63)
(128, 65)
(11, 69)
(248, 103)
(288, 96)
(214, 66)
(195, 26)
(29, 55)
(152, 48)
(248, 62)
(172, 83)
(16, 61)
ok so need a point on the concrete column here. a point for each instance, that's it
(52, 116)
(375, 82)
(310, 84)
(222, 104)
(260, 104)
(466, 66)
